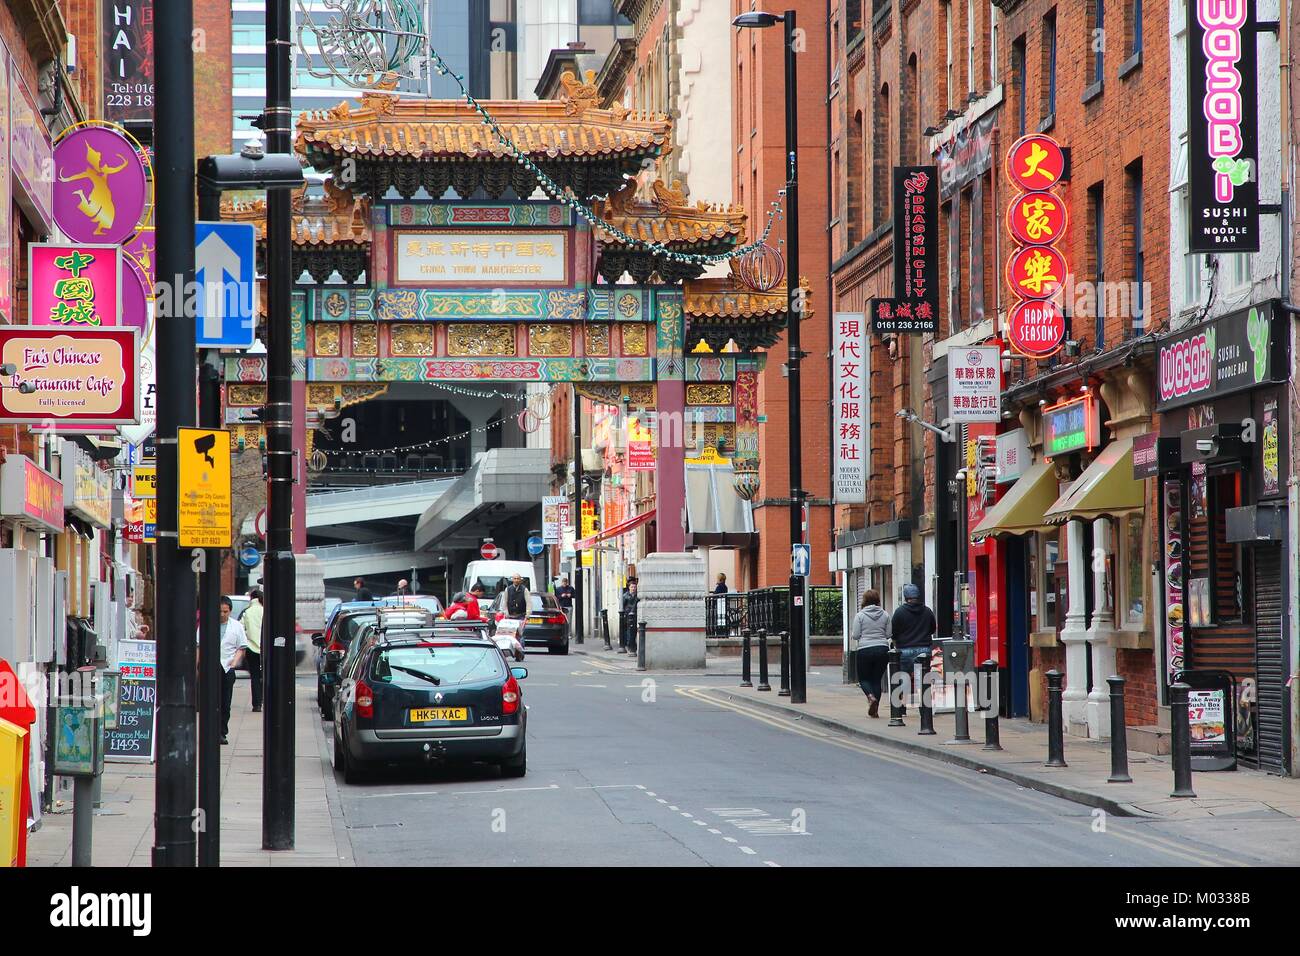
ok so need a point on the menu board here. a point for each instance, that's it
(1172, 548)
(133, 740)
(1205, 713)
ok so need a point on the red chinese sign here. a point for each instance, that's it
(1037, 219)
(1036, 328)
(1035, 162)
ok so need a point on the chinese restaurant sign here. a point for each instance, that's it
(477, 258)
(128, 60)
(1071, 426)
(87, 488)
(1232, 353)
(75, 286)
(86, 378)
(1037, 218)
(850, 397)
(975, 384)
(1223, 127)
(101, 187)
(915, 305)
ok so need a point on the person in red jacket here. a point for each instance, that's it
(463, 608)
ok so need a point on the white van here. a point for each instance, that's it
(491, 573)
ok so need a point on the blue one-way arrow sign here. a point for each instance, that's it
(225, 256)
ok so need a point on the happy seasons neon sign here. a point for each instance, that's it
(1222, 21)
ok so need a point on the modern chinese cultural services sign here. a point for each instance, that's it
(849, 399)
(1037, 218)
(1223, 126)
(478, 258)
(1235, 352)
(915, 305)
(84, 378)
(975, 384)
(75, 286)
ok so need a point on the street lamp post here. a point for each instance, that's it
(794, 313)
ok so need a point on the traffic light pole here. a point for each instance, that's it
(175, 823)
(278, 652)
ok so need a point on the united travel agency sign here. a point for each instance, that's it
(1233, 353)
(1223, 126)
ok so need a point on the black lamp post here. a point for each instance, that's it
(794, 313)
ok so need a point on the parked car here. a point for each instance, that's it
(546, 623)
(346, 627)
(435, 694)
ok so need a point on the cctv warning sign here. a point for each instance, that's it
(203, 508)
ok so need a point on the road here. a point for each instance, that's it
(669, 772)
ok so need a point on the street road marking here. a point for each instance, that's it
(672, 806)
(772, 863)
(648, 793)
(613, 786)
(452, 793)
(745, 849)
(715, 832)
(589, 685)
(662, 800)
(1148, 841)
(688, 816)
(731, 839)
(699, 823)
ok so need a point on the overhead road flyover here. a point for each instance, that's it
(359, 513)
(502, 485)
(372, 559)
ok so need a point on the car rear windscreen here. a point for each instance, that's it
(415, 666)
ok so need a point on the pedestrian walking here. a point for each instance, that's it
(564, 594)
(870, 636)
(721, 587)
(517, 598)
(630, 601)
(403, 587)
(912, 627)
(363, 592)
(233, 644)
(472, 602)
(251, 621)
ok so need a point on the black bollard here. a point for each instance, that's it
(989, 704)
(604, 626)
(745, 651)
(1118, 733)
(1181, 752)
(927, 708)
(960, 715)
(785, 665)
(622, 632)
(762, 660)
(1055, 723)
(895, 692)
(640, 646)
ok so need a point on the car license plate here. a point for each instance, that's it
(421, 715)
(534, 620)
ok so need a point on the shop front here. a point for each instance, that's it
(1221, 462)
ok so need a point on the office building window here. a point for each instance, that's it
(1019, 66)
(1138, 297)
(1136, 16)
(1097, 233)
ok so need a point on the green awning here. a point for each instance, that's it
(1106, 489)
(1021, 509)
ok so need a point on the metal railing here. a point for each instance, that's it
(727, 615)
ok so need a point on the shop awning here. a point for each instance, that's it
(613, 531)
(1022, 508)
(1106, 488)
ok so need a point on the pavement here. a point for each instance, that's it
(631, 768)
(123, 828)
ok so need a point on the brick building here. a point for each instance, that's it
(758, 118)
(955, 83)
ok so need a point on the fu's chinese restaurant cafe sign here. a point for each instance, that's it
(87, 377)
(1037, 218)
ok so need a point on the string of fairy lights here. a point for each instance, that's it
(418, 446)
(566, 196)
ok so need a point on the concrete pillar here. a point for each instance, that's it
(1101, 633)
(1075, 635)
(672, 588)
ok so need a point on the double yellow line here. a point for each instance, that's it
(927, 765)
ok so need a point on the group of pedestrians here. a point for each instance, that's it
(910, 629)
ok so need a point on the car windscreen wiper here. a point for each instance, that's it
(414, 673)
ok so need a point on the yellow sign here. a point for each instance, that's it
(144, 482)
(11, 791)
(203, 506)
(150, 521)
(972, 469)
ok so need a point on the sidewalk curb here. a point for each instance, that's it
(342, 839)
(955, 758)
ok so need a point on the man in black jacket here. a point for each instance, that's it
(517, 598)
(912, 628)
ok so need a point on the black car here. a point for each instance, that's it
(435, 694)
(546, 623)
(343, 630)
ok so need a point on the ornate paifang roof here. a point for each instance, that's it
(669, 218)
(336, 218)
(330, 233)
(391, 130)
(722, 309)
